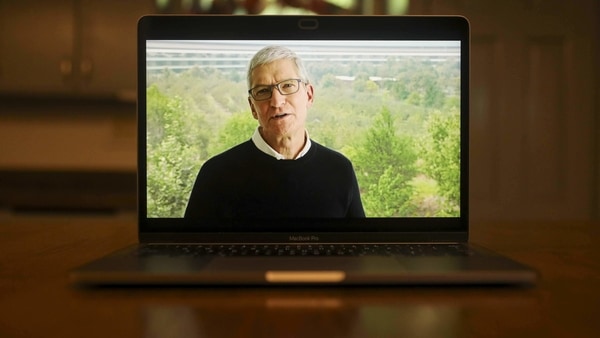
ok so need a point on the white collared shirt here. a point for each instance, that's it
(262, 145)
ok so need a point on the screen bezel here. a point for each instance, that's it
(199, 27)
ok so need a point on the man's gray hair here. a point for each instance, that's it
(271, 54)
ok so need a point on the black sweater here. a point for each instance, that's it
(244, 182)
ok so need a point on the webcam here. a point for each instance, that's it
(308, 23)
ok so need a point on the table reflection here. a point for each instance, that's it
(289, 316)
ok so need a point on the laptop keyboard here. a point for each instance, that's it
(287, 250)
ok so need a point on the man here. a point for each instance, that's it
(280, 172)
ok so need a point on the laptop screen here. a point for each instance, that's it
(389, 99)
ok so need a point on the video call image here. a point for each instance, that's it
(390, 107)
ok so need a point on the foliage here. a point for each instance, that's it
(174, 154)
(441, 160)
(239, 128)
(384, 164)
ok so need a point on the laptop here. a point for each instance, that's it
(389, 93)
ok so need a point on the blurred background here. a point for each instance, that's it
(68, 81)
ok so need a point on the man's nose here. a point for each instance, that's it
(277, 99)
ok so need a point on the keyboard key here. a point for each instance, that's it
(406, 250)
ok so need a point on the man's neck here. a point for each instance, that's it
(289, 146)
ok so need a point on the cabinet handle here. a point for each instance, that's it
(66, 67)
(86, 67)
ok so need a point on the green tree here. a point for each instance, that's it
(441, 157)
(390, 196)
(385, 164)
(238, 128)
(433, 96)
(175, 144)
(329, 81)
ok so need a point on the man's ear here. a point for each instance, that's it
(310, 91)
(253, 109)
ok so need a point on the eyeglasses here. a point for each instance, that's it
(285, 87)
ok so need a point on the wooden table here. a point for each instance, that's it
(36, 299)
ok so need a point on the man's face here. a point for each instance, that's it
(280, 116)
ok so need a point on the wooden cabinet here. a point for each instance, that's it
(68, 47)
(36, 43)
(534, 107)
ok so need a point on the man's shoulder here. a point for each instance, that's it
(233, 154)
(323, 151)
